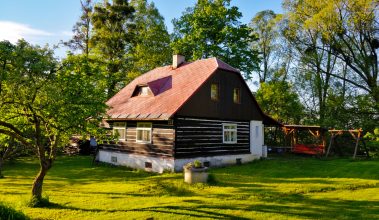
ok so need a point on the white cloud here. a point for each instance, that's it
(13, 31)
(67, 33)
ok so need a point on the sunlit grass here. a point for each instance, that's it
(281, 188)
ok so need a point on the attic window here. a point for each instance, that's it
(237, 96)
(214, 92)
(142, 90)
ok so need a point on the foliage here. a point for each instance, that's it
(151, 46)
(43, 102)
(9, 213)
(194, 164)
(111, 39)
(277, 99)
(347, 29)
(197, 164)
(280, 188)
(373, 136)
(264, 24)
(82, 29)
(212, 29)
(373, 142)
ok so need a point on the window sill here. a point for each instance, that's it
(143, 142)
(229, 142)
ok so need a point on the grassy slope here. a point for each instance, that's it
(282, 188)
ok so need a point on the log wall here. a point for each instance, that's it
(162, 143)
(203, 137)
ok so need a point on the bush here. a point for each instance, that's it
(9, 213)
(373, 148)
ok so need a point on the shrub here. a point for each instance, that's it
(194, 164)
(197, 164)
(9, 213)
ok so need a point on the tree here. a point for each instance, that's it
(348, 29)
(82, 30)
(112, 38)
(212, 29)
(264, 24)
(8, 150)
(152, 42)
(44, 102)
(277, 99)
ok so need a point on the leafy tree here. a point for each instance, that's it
(44, 102)
(264, 24)
(82, 30)
(212, 29)
(278, 100)
(152, 42)
(8, 150)
(112, 38)
(349, 31)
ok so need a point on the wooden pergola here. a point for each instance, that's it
(356, 135)
(318, 132)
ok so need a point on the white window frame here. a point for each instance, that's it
(119, 127)
(144, 129)
(229, 129)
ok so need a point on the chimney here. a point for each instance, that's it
(177, 60)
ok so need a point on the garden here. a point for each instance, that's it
(285, 187)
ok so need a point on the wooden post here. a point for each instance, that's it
(357, 143)
(330, 145)
(356, 147)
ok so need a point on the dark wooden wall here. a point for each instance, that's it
(163, 136)
(203, 137)
(201, 105)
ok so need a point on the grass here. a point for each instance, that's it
(280, 188)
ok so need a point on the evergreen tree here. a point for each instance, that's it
(82, 30)
(112, 38)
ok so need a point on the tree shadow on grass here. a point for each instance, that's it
(305, 207)
(200, 211)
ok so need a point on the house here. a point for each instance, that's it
(175, 114)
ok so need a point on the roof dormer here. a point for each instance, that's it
(142, 90)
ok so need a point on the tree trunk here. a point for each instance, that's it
(38, 181)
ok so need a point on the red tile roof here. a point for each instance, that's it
(171, 89)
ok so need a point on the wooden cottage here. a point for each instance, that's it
(175, 114)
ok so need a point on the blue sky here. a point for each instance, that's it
(49, 21)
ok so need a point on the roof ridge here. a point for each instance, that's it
(223, 65)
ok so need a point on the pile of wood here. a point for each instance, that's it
(73, 147)
(71, 150)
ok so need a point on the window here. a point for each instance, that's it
(229, 133)
(144, 91)
(214, 92)
(119, 130)
(144, 132)
(236, 95)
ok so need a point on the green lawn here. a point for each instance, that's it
(280, 188)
